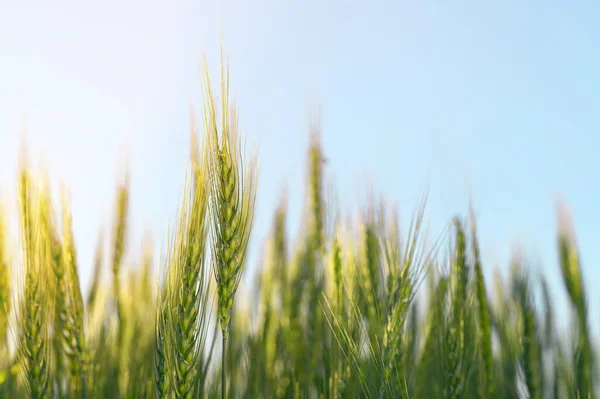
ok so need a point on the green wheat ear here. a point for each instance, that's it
(531, 353)
(119, 237)
(74, 337)
(35, 301)
(232, 197)
(483, 317)
(184, 309)
(5, 279)
(119, 245)
(315, 192)
(571, 273)
(161, 347)
(98, 259)
(58, 283)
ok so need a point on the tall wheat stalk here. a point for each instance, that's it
(183, 312)
(232, 196)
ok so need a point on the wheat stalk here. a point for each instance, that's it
(74, 332)
(35, 302)
(484, 318)
(573, 280)
(119, 244)
(184, 307)
(232, 198)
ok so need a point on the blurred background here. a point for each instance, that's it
(495, 102)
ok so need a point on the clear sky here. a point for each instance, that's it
(498, 98)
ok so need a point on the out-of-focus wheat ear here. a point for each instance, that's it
(119, 242)
(25, 188)
(484, 320)
(74, 337)
(549, 327)
(5, 289)
(569, 261)
(119, 236)
(405, 273)
(35, 302)
(454, 349)
(145, 285)
(315, 251)
(429, 363)
(315, 190)
(97, 274)
(280, 250)
(370, 271)
(573, 280)
(532, 362)
(351, 272)
(460, 267)
(51, 246)
(338, 277)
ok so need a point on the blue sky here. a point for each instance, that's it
(498, 99)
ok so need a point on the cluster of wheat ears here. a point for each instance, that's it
(336, 317)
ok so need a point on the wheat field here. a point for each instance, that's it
(355, 308)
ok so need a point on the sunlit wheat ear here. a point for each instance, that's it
(483, 318)
(531, 354)
(119, 244)
(454, 336)
(57, 284)
(573, 280)
(119, 237)
(569, 260)
(74, 329)
(97, 274)
(5, 289)
(279, 253)
(315, 191)
(232, 197)
(184, 306)
(160, 351)
(35, 301)
(336, 272)
(370, 280)
(406, 271)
